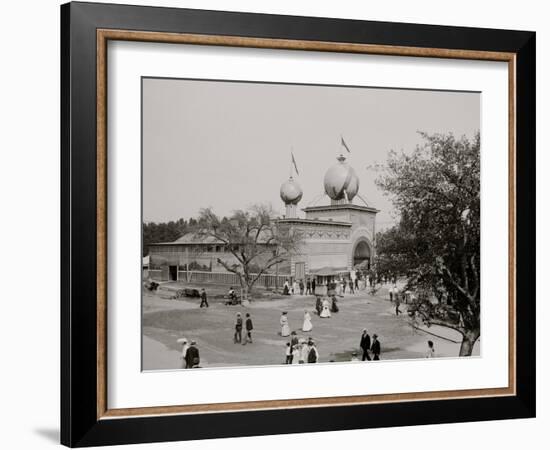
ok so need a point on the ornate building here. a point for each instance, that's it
(336, 237)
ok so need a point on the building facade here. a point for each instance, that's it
(337, 237)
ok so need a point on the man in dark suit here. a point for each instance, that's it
(192, 356)
(365, 345)
(249, 327)
(204, 300)
(375, 347)
(238, 336)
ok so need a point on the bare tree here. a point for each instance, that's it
(254, 238)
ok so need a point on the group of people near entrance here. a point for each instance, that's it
(340, 286)
(299, 287)
(190, 358)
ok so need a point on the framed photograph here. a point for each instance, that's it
(277, 224)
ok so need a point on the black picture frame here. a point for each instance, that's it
(80, 425)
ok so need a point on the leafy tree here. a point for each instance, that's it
(436, 189)
(256, 241)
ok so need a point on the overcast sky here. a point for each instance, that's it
(227, 144)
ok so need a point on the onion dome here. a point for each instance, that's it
(341, 181)
(291, 192)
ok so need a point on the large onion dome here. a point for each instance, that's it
(341, 180)
(291, 192)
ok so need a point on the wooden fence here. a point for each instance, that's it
(227, 278)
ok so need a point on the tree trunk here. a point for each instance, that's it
(468, 341)
(245, 300)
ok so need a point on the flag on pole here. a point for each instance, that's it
(294, 162)
(345, 145)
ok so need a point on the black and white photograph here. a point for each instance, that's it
(288, 224)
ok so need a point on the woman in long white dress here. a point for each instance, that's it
(296, 351)
(325, 312)
(304, 350)
(307, 326)
(285, 329)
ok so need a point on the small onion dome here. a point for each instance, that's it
(339, 178)
(291, 192)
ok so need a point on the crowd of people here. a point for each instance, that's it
(303, 350)
(297, 350)
(300, 287)
(340, 285)
(300, 351)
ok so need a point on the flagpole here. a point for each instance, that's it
(343, 143)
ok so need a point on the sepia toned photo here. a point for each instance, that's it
(289, 224)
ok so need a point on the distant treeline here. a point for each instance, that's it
(165, 231)
(154, 232)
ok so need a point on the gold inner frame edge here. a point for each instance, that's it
(104, 35)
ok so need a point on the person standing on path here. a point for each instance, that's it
(238, 336)
(288, 353)
(295, 287)
(249, 327)
(307, 325)
(313, 354)
(283, 321)
(308, 286)
(397, 303)
(286, 288)
(303, 351)
(431, 351)
(334, 305)
(375, 347)
(184, 347)
(293, 339)
(313, 283)
(296, 353)
(325, 312)
(365, 345)
(204, 299)
(318, 305)
(192, 356)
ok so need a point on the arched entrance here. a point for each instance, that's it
(362, 254)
